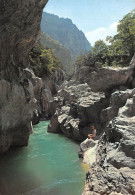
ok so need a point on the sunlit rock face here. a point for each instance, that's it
(105, 79)
(19, 31)
(75, 109)
(114, 169)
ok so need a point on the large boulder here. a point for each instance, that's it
(17, 104)
(117, 100)
(86, 144)
(107, 78)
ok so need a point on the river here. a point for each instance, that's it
(48, 166)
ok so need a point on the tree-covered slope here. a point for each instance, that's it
(64, 31)
(61, 52)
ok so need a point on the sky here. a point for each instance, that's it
(96, 18)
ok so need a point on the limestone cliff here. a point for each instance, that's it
(78, 105)
(105, 79)
(20, 29)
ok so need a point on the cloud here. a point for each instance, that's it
(101, 33)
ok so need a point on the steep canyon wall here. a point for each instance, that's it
(19, 31)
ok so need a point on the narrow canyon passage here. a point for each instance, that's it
(49, 165)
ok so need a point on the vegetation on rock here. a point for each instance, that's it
(85, 60)
(60, 51)
(43, 61)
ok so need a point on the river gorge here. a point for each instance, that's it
(100, 93)
(46, 166)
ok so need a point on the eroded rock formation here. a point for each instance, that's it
(75, 109)
(44, 89)
(78, 106)
(112, 110)
(114, 170)
(105, 79)
(19, 31)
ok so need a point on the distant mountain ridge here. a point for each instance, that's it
(64, 31)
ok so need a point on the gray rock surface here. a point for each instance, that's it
(114, 170)
(104, 79)
(78, 108)
(86, 144)
(44, 89)
(19, 31)
(17, 104)
(117, 100)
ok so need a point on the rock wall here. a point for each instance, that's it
(20, 29)
(44, 89)
(78, 106)
(114, 169)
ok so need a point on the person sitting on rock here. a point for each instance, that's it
(93, 135)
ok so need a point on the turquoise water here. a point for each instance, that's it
(49, 165)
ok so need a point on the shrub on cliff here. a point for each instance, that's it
(43, 61)
(85, 60)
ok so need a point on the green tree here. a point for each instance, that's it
(100, 48)
(43, 61)
(87, 59)
(100, 51)
(123, 43)
(126, 33)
